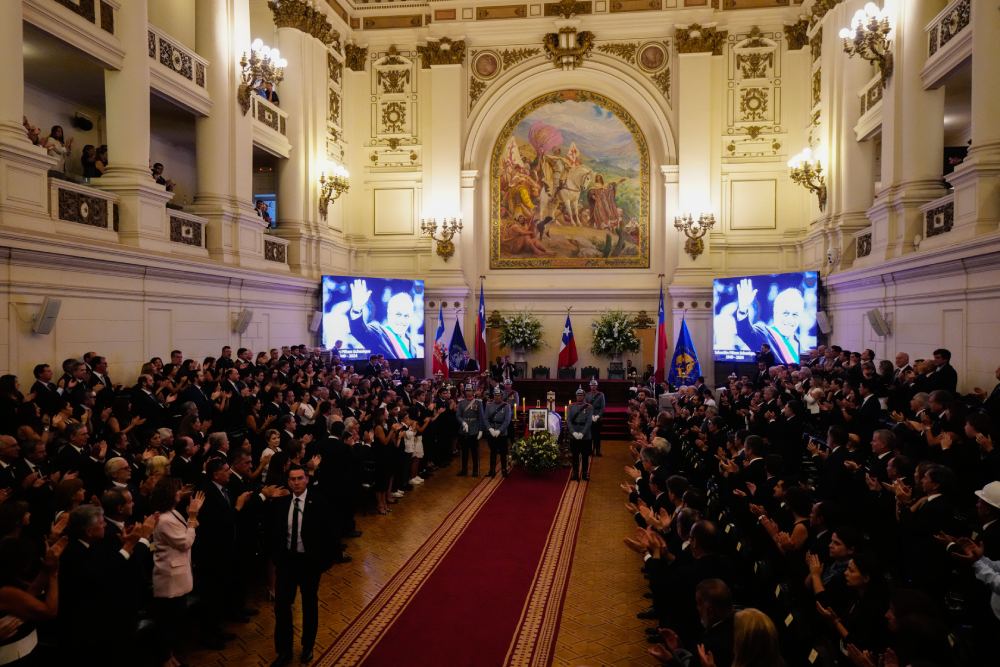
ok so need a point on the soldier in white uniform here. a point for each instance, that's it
(471, 423)
(580, 422)
(511, 397)
(497, 426)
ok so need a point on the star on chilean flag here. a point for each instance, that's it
(481, 354)
(567, 350)
(661, 344)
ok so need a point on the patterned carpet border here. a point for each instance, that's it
(364, 632)
(534, 642)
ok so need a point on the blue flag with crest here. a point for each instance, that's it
(684, 366)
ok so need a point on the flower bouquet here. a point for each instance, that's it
(537, 453)
(614, 334)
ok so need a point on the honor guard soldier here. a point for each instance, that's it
(580, 421)
(597, 402)
(498, 414)
(471, 422)
(511, 398)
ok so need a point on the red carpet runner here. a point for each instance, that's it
(485, 589)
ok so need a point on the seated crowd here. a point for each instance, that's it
(834, 513)
(131, 517)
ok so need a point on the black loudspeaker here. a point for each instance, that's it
(45, 320)
(82, 121)
(878, 322)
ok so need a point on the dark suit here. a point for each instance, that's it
(943, 377)
(46, 396)
(213, 552)
(298, 569)
(148, 407)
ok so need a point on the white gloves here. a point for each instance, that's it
(465, 427)
(595, 418)
(479, 434)
(578, 436)
(495, 432)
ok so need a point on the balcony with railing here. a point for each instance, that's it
(89, 25)
(939, 216)
(176, 71)
(863, 243)
(949, 41)
(270, 126)
(187, 232)
(80, 210)
(871, 108)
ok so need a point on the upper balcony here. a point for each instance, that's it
(89, 25)
(177, 71)
(949, 41)
(270, 126)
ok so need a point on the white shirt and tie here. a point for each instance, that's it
(296, 510)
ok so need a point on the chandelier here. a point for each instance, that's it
(442, 233)
(694, 230)
(868, 37)
(263, 65)
(332, 186)
(807, 171)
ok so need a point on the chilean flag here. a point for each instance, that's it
(481, 354)
(440, 358)
(661, 343)
(567, 350)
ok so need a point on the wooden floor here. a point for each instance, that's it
(598, 625)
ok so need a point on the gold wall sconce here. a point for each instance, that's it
(868, 37)
(442, 232)
(694, 230)
(262, 66)
(331, 187)
(807, 171)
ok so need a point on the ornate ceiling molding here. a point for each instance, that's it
(297, 14)
(355, 57)
(442, 52)
(695, 38)
(795, 34)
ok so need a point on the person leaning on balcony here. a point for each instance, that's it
(268, 93)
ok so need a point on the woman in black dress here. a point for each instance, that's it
(384, 446)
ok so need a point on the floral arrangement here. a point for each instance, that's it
(614, 333)
(537, 453)
(521, 330)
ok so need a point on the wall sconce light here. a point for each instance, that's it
(808, 172)
(264, 65)
(442, 233)
(694, 230)
(868, 37)
(332, 186)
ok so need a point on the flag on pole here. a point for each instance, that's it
(567, 350)
(481, 357)
(684, 369)
(660, 360)
(457, 347)
(440, 358)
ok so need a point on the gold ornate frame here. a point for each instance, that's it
(640, 261)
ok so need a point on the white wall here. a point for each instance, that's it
(179, 163)
(175, 17)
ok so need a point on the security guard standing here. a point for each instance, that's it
(580, 421)
(471, 422)
(497, 425)
(511, 398)
(597, 402)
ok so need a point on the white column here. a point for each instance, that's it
(977, 208)
(912, 136)
(694, 152)
(442, 197)
(23, 167)
(224, 154)
(143, 220)
(467, 244)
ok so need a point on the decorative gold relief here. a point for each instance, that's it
(820, 8)
(754, 131)
(568, 48)
(816, 86)
(662, 81)
(697, 39)
(476, 90)
(334, 68)
(795, 34)
(511, 57)
(755, 65)
(442, 52)
(334, 108)
(355, 57)
(567, 8)
(624, 50)
(753, 104)
(393, 80)
(816, 45)
(306, 18)
(393, 117)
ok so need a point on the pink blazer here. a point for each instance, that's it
(172, 558)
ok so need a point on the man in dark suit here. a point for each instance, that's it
(213, 549)
(991, 401)
(944, 375)
(78, 456)
(302, 547)
(45, 391)
(194, 393)
(145, 404)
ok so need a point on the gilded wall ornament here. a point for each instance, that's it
(335, 69)
(816, 86)
(795, 34)
(624, 50)
(334, 108)
(662, 81)
(511, 57)
(393, 80)
(753, 104)
(568, 48)
(355, 57)
(393, 117)
(754, 65)
(652, 56)
(820, 8)
(476, 89)
(442, 52)
(816, 45)
(301, 16)
(697, 39)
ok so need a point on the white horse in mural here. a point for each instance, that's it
(568, 194)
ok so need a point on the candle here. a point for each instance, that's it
(515, 412)
(566, 412)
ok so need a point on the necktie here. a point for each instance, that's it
(295, 526)
(225, 494)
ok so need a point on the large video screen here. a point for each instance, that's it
(373, 316)
(777, 309)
